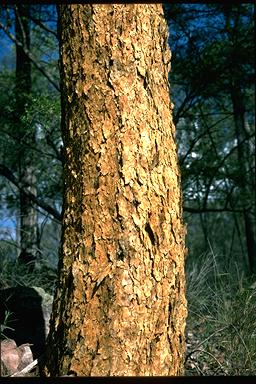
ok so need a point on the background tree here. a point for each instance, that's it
(213, 68)
(26, 170)
(30, 131)
(213, 50)
(119, 307)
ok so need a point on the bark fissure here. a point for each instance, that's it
(150, 233)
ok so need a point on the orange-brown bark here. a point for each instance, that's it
(120, 307)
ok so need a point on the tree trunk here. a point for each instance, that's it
(120, 305)
(245, 174)
(27, 178)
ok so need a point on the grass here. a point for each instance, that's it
(221, 326)
(14, 274)
(6, 322)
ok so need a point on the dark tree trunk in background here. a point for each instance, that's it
(239, 111)
(237, 86)
(120, 305)
(26, 134)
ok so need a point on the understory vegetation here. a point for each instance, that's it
(221, 324)
(221, 336)
(13, 274)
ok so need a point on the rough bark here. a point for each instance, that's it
(27, 178)
(119, 307)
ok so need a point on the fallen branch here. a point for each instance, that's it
(27, 369)
(211, 355)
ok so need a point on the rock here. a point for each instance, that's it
(26, 356)
(9, 357)
(30, 310)
(13, 358)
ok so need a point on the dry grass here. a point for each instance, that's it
(221, 324)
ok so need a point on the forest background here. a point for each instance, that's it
(212, 88)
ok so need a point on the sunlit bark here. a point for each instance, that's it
(120, 306)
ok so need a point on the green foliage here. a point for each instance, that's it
(43, 114)
(30, 136)
(213, 59)
(6, 324)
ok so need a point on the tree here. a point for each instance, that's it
(27, 177)
(120, 305)
(212, 78)
(30, 141)
(238, 86)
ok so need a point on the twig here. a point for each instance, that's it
(27, 369)
(43, 26)
(5, 171)
(210, 354)
(30, 56)
(198, 368)
(202, 342)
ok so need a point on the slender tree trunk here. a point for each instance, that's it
(244, 170)
(120, 305)
(239, 111)
(28, 214)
